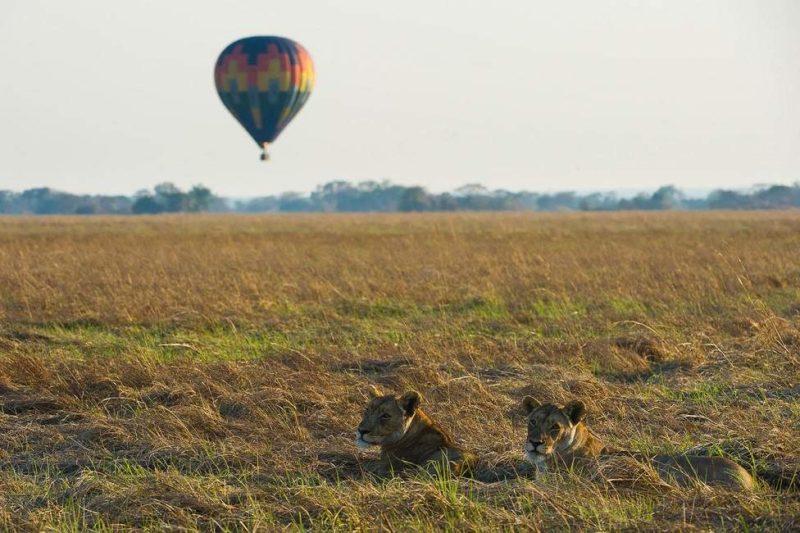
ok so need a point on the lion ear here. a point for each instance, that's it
(575, 410)
(409, 402)
(374, 392)
(529, 403)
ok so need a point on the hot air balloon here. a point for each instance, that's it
(264, 81)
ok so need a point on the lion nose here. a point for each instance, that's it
(532, 446)
(535, 443)
(362, 432)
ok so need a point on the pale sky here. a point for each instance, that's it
(102, 96)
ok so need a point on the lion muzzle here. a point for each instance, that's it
(361, 442)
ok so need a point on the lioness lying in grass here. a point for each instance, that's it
(559, 432)
(407, 436)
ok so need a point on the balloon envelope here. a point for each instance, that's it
(264, 81)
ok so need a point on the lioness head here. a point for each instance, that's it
(550, 428)
(386, 418)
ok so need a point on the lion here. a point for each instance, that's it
(559, 432)
(407, 436)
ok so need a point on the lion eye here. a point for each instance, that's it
(385, 416)
(554, 428)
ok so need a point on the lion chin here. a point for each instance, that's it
(535, 458)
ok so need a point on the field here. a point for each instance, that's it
(208, 372)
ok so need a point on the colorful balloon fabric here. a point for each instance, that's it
(264, 81)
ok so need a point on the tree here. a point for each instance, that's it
(7, 201)
(558, 202)
(777, 196)
(146, 204)
(198, 199)
(414, 199)
(721, 199)
(170, 197)
(598, 202)
(668, 197)
(295, 202)
(471, 189)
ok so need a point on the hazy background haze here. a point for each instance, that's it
(111, 97)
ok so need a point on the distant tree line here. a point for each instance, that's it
(167, 198)
(371, 196)
(164, 198)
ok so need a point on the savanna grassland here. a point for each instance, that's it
(208, 372)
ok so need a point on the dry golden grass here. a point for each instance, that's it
(208, 372)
